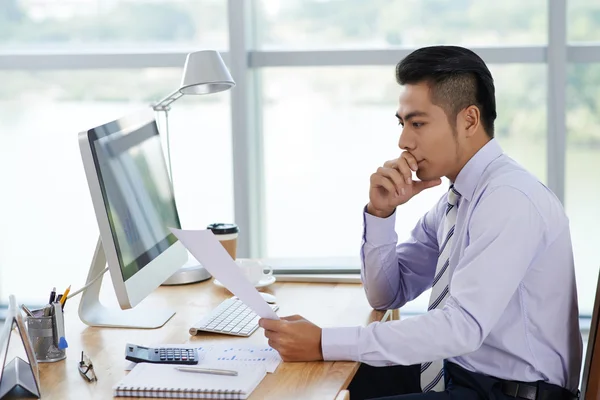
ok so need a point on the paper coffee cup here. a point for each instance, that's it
(227, 235)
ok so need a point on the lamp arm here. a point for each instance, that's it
(164, 103)
(166, 109)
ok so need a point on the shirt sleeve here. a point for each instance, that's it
(392, 273)
(506, 233)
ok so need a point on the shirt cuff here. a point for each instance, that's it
(340, 344)
(379, 231)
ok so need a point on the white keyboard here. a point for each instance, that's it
(231, 317)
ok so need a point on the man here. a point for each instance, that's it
(495, 250)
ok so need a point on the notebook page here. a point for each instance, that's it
(157, 377)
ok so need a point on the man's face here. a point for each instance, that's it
(427, 134)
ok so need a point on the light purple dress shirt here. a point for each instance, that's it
(512, 311)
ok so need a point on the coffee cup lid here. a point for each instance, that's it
(220, 228)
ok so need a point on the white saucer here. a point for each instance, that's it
(268, 280)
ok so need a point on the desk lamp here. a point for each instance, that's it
(204, 73)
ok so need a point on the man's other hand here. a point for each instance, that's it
(295, 338)
(392, 185)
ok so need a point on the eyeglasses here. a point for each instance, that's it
(86, 369)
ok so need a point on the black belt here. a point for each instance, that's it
(534, 392)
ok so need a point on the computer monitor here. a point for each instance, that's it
(134, 205)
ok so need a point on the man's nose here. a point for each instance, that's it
(405, 142)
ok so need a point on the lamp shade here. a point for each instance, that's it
(204, 73)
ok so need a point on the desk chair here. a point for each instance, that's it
(590, 384)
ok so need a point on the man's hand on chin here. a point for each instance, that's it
(295, 338)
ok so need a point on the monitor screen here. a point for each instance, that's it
(136, 191)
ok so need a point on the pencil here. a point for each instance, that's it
(63, 300)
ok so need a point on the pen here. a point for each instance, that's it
(47, 311)
(207, 371)
(27, 310)
(52, 295)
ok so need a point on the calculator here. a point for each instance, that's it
(161, 355)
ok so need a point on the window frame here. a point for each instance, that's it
(244, 61)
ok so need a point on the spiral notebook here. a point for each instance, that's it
(165, 382)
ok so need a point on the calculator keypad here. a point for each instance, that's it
(176, 355)
(161, 355)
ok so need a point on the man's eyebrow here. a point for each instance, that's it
(411, 115)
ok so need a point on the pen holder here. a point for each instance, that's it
(43, 332)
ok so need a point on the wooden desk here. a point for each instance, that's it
(326, 304)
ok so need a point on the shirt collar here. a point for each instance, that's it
(469, 175)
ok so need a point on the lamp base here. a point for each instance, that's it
(191, 272)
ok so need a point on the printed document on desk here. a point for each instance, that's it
(205, 247)
(230, 356)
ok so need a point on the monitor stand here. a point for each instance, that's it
(93, 313)
(191, 272)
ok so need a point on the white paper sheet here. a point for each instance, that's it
(228, 356)
(205, 247)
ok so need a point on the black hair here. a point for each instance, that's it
(457, 78)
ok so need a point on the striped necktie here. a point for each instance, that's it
(432, 373)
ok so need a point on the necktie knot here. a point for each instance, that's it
(453, 196)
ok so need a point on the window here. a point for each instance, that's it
(583, 21)
(326, 128)
(323, 142)
(335, 24)
(582, 183)
(113, 24)
(49, 226)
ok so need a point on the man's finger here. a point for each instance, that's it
(378, 180)
(393, 175)
(269, 324)
(411, 160)
(390, 164)
(419, 186)
(401, 165)
(292, 318)
(272, 344)
(270, 334)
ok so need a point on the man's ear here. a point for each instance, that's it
(471, 119)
